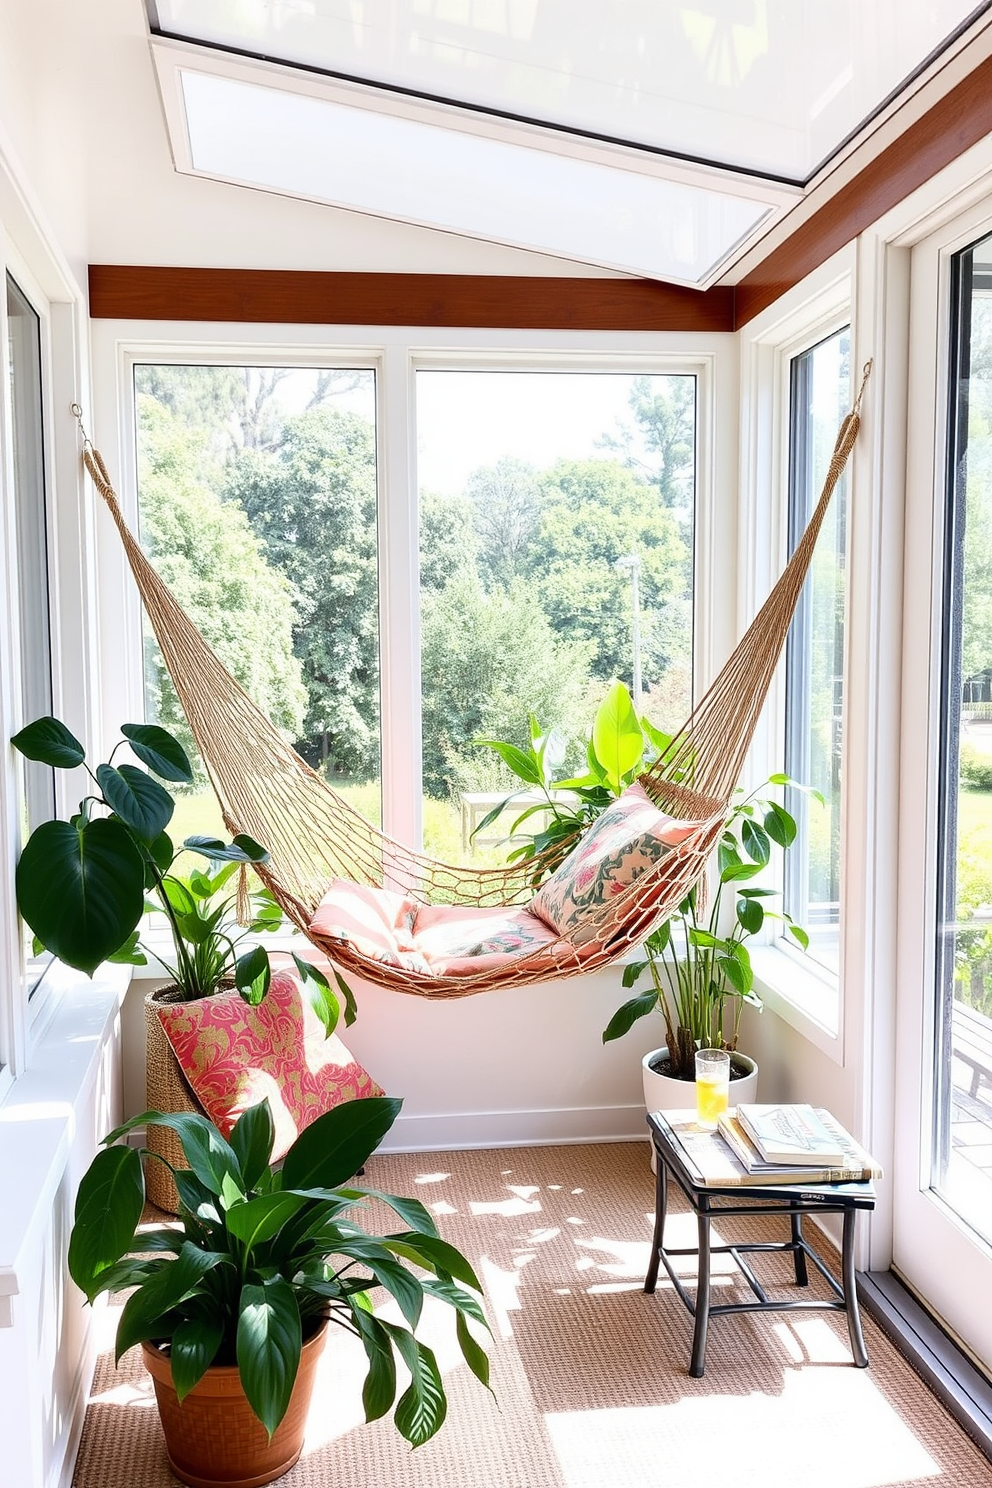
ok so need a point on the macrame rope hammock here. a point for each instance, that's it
(314, 836)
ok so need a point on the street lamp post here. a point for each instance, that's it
(632, 563)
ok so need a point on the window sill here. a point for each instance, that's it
(805, 996)
(39, 1116)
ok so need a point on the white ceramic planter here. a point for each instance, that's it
(662, 1093)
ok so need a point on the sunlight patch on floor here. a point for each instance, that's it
(834, 1428)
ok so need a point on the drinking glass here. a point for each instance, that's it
(712, 1085)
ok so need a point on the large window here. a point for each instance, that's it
(962, 1117)
(37, 792)
(819, 399)
(258, 505)
(556, 522)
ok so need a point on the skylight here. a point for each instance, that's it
(766, 86)
(394, 166)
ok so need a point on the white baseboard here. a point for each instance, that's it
(448, 1131)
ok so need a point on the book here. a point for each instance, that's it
(791, 1134)
(856, 1165)
(712, 1163)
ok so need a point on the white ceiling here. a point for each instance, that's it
(642, 135)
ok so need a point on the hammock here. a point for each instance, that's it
(316, 839)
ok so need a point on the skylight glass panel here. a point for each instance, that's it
(401, 168)
(768, 86)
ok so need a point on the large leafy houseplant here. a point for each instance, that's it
(83, 885)
(261, 1256)
(700, 970)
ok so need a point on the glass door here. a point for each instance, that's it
(942, 1242)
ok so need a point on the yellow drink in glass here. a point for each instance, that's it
(712, 1097)
(712, 1085)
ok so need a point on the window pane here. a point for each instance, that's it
(31, 527)
(820, 393)
(257, 500)
(962, 1116)
(556, 519)
(24, 337)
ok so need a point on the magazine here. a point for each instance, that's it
(855, 1162)
(791, 1134)
(712, 1162)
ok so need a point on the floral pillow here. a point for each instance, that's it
(458, 940)
(234, 1056)
(629, 838)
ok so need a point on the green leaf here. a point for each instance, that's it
(251, 1142)
(260, 1219)
(207, 1153)
(163, 852)
(252, 975)
(240, 849)
(631, 972)
(421, 1409)
(456, 1297)
(799, 935)
(316, 989)
(524, 766)
(473, 1353)
(735, 973)
(435, 1254)
(140, 802)
(616, 736)
(350, 1005)
(179, 897)
(130, 953)
(332, 1149)
(379, 1390)
(109, 1202)
(81, 890)
(780, 824)
(625, 1017)
(193, 1348)
(703, 938)
(411, 1211)
(400, 1283)
(756, 843)
(750, 915)
(270, 1338)
(736, 872)
(159, 751)
(50, 743)
(163, 1292)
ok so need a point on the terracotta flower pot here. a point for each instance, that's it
(214, 1437)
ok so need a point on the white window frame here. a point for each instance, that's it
(396, 355)
(47, 285)
(802, 992)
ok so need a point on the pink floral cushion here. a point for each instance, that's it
(378, 923)
(629, 838)
(461, 940)
(234, 1056)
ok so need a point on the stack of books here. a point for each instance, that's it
(769, 1145)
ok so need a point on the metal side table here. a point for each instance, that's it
(708, 1201)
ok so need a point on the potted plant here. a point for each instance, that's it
(701, 975)
(83, 886)
(231, 1305)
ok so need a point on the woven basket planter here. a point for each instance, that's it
(214, 1438)
(167, 1090)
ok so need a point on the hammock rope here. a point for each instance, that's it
(314, 836)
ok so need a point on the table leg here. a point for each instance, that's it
(660, 1209)
(851, 1292)
(798, 1255)
(698, 1362)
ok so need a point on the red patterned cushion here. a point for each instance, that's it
(234, 1055)
(629, 838)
